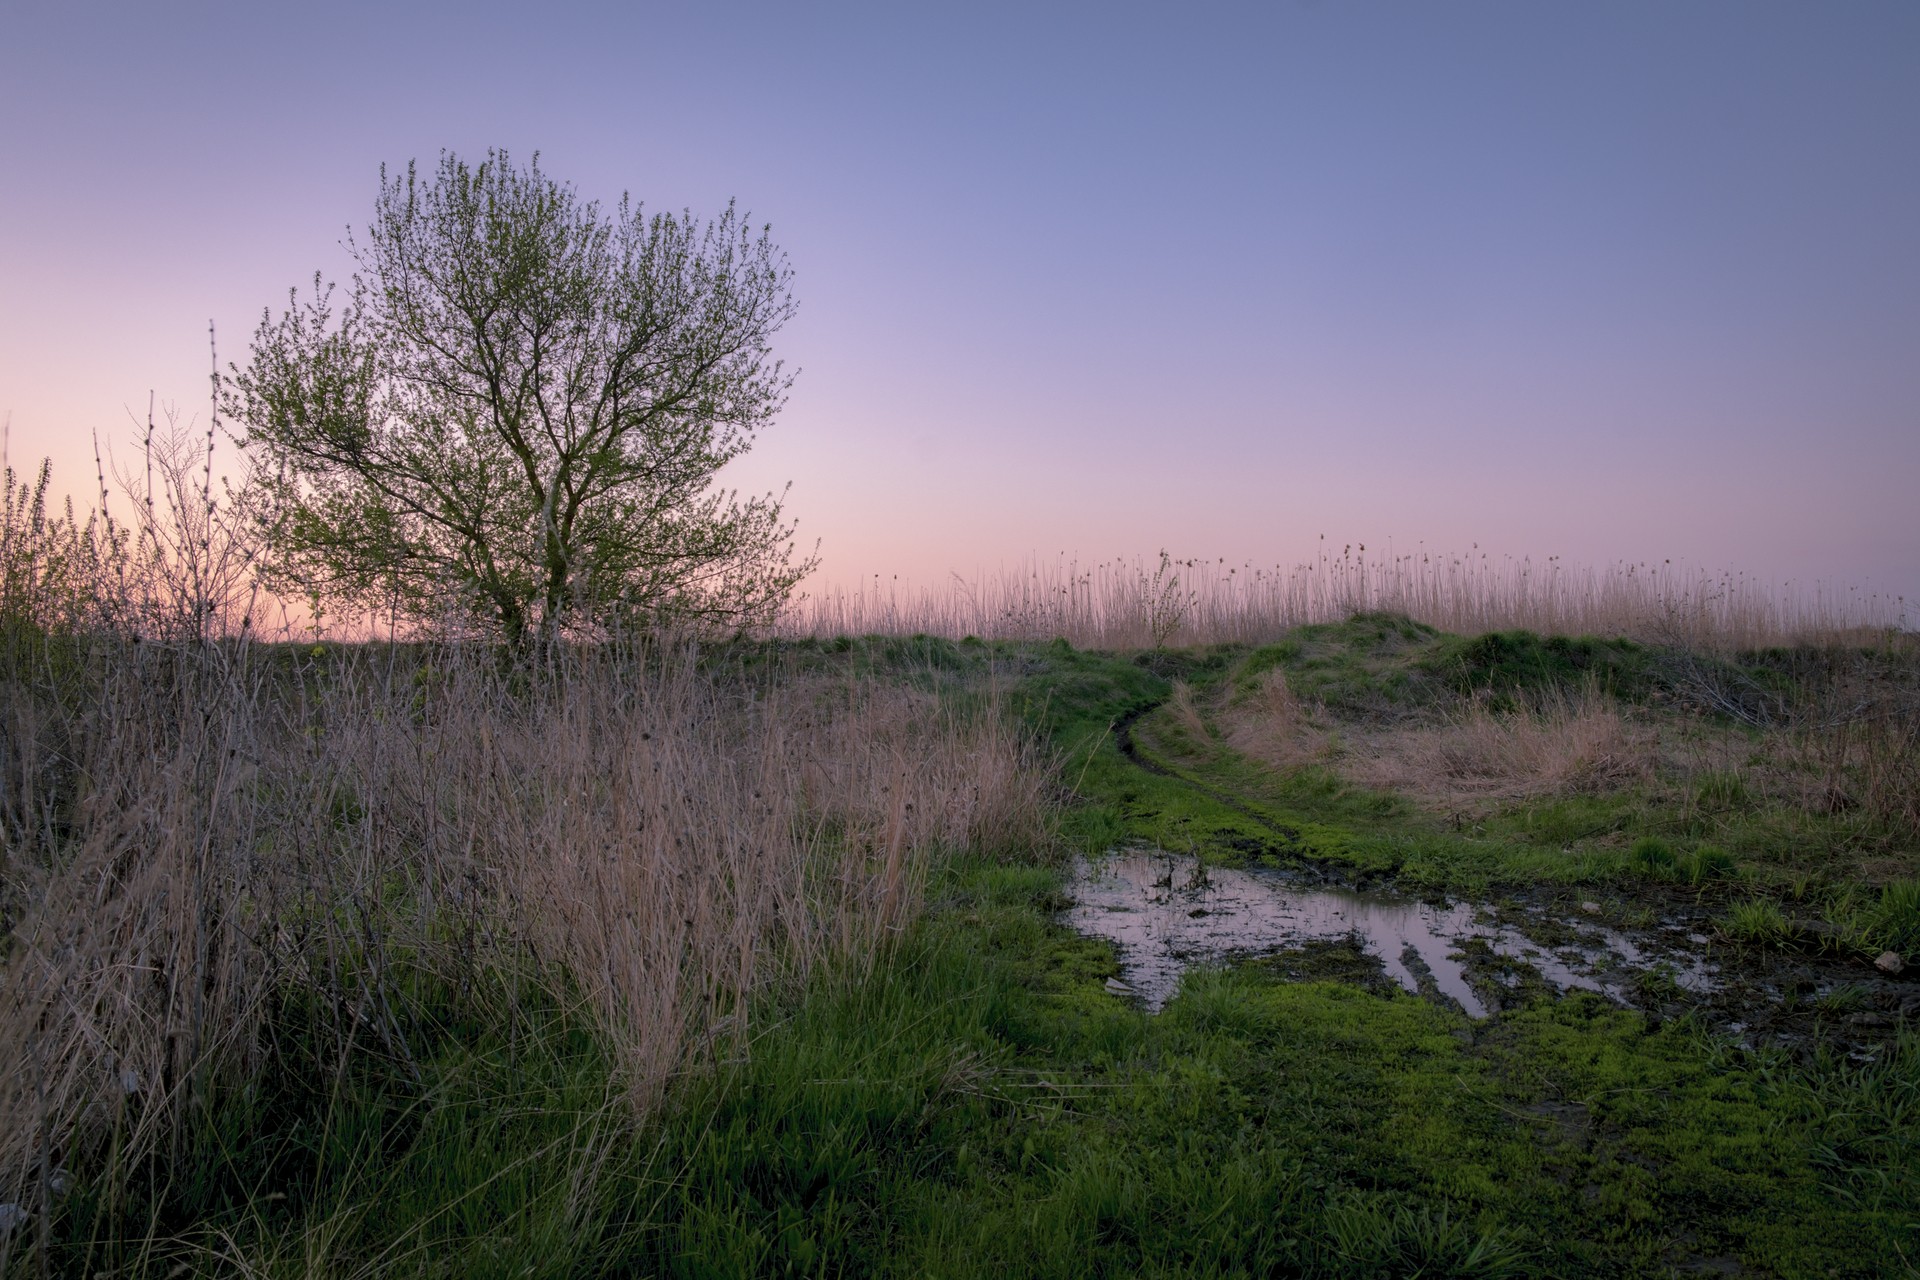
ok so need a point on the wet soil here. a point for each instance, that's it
(1648, 947)
(1166, 913)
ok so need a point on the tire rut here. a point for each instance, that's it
(1123, 738)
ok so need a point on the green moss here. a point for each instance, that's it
(983, 1108)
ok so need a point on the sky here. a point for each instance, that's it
(1621, 282)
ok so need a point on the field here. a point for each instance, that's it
(753, 956)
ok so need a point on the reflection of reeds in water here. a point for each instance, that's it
(1125, 604)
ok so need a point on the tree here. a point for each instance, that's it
(517, 414)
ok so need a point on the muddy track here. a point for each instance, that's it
(1763, 994)
(1123, 738)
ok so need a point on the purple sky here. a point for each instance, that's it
(1622, 281)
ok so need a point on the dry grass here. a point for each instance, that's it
(1186, 714)
(1559, 746)
(1133, 604)
(646, 839)
(1276, 727)
(1866, 759)
(197, 828)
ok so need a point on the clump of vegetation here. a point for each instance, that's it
(1871, 921)
(1896, 918)
(1705, 864)
(1758, 921)
(430, 871)
(1504, 663)
(1653, 856)
(379, 875)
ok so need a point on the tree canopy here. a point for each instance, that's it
(515, 414)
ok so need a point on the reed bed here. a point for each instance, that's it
(204, 834)
(1121, 604)
(214, 830)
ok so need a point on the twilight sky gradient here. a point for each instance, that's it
(1618, 281)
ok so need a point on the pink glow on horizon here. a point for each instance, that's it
(1618, 286)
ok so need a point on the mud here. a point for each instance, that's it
(1166, 913)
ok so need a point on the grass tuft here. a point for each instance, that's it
(1757, 922)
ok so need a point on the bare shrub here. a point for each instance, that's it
(184, 569)
(1851, 741)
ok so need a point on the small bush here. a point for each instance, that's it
(1511, 661)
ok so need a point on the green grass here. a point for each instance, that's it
(1386, 662)
(976, 1103)
(981, 1106)
(1758, 922)
(1191, 793)
(1201, 797)
(500, 1149)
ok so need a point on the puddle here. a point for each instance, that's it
(1166, 913)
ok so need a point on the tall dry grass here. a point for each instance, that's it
(645, 839)
(198, 828)
(1277, 726)
(1140, 604)
(1848, 737)
(1554, 743)
(1560, 744)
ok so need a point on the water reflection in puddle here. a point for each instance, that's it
(1166, 913)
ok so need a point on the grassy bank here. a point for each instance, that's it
(1471, 766)
(926, 1074)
